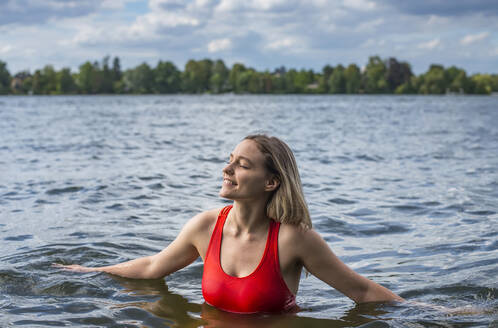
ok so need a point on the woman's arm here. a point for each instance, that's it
(184, 250)
(320, 261)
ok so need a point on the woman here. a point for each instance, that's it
(254, 250)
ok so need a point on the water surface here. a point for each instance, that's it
(404, 190)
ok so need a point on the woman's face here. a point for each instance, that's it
(245, 177)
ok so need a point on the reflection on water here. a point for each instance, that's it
(404, 190)
(179, 312)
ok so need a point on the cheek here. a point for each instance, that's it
(253, 181)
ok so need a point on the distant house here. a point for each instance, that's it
(16, 85)
(312, 86)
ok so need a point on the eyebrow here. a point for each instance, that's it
(242, 157)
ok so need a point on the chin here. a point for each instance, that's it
(226, 195)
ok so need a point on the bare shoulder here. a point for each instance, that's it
(294, 233)
(298, 238)
(204, 221)
(200, 228)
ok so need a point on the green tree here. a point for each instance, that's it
(255, 83)
(117, 76)
(65, 82)
(289, 79)
(44, 81)
(37, 83)
(397, 73)
(327, 70)
(167, 78)
(249, 82)
(278, 80)
(278, 84)
(206, 69)
(107, 77)
(433, 81)
(139, 79)
(302, 79)
(196, 76)
(457, 80)
(27, 84)
(191, 82)
(483, 84)
(98, 78)
(337, 81)
(407, 88)
(233, 76)
(267, 82)
(494, 79)
(90, 79)
(5, 78)
(375, 76)
(218, 81)
(116, 70)
(323, 80)
(86, 78)
(352, 74)
(50, 78)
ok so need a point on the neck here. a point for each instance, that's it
(248, 217)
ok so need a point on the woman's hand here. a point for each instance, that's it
(74, 268)
(461, 310)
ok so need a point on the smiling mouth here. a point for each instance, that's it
(229, 182)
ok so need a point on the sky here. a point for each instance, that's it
(263, 34)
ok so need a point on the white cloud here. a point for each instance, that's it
(373, 43)
(268, 4)
(257, 5)
(148, 27)
(202, 3)
(472, 38)
(219, 45)
(363, 5)
(430, 44)
(282, 44)
(6, 49)
(227, 5)
(288, 45)
(156, 20)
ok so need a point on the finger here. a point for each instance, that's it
(63, 267)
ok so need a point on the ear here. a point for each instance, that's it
(272, 183)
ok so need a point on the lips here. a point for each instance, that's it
(229, 182)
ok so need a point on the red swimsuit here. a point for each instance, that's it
(264, 290)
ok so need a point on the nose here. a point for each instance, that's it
(228, 169)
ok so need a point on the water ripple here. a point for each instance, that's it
(58, 191)
(104, 179)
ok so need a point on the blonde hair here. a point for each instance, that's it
(287, 203)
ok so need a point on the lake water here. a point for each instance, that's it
(404, 190)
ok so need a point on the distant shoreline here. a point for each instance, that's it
(378, 77)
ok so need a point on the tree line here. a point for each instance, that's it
(388, 76)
